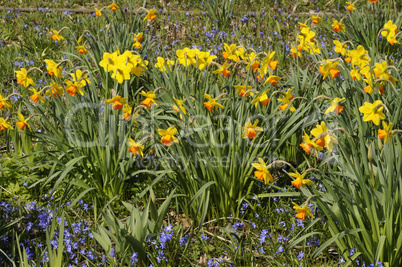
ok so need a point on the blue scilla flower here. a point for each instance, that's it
(279, 250)
(112, 253)
(204, 237)
(244, 19)
(313, 241)
(300, 256)
(133, 258)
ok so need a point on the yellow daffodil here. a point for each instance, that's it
(254, 63)
(23, 78)
(4, 125)
(302, 211)
(350, 6)
(296, 51)
(150, 98)
(326, 139)
(302, 25)
(113, 7)
(299, 180)
(122, 73)
(53, 68)
(229, 53)
(359, 57)
(212, 102)
(372, 112)
(305, 36)
(98, 12)
(315, 19)
(55, 90)
(160, 65)
(4, 103)
(263, 98)
(135, 148)
(272, 80)
(36, 95)
(186, 56)
(168, 136)
(334, 106)
(268, 63)
(286, 100)
(78, 76)
(340, 48)
(74, 87)
(56, 36)
(179, 106)
(204, 59)
(329, 68)
(139, 37)
(117, 102)
(137, 45)
(223, 70)
(337, 26)
(262, 172)
(81, 49)
(127, 110)
(308, 145)
(355, 74)
(22, 122)
(109, 61)
(241, 90)
(385, 134)
(138, 66)
(251, 130)
(389, 32)
(150, 15)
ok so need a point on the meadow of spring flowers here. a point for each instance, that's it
(229, 135)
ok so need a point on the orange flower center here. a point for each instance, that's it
(117, 105)
(208, 105)
(301, 214)
(321, 142)
(251, 133)
(167, 140)
(133, 150)
(21, 125)
(147, 102)
(337, 28)
(126, 116)
(71, 90)
(35, 98)
(225, 73)
(338, 109)
(306, 147)
(297, 183)
(265, 102)
(225, 55)
(259, 175)
(175, 108)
